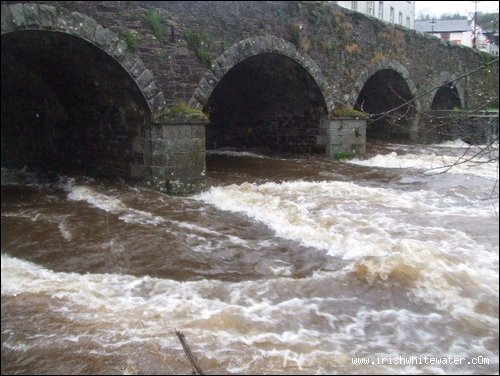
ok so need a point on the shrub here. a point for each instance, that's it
(131, 40)
(343, 111)
(181, 111)
(154, 20)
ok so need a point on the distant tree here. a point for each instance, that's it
(454, 16)
(487, 21)
(423, 17)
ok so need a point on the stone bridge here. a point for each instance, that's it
(118, 88)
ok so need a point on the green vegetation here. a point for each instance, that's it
(204, 56)
(294, 34)
(199, 42)
(343, 155)
(197, 39)
(328, 47)
(131, 40)
(488, 21)
(154, 20)
(60, 5)
(161, 55)
(181, 111)
(342, 111)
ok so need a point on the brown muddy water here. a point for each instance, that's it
(284, 265)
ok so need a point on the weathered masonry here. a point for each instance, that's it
(140, 89)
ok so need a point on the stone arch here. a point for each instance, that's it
(398, 73)
(456, 87)
(251, 47)
(32, 16)
(386, 64)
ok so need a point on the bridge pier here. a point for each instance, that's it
(177, 156)
(346, 138)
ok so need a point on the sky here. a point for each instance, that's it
(437, 8)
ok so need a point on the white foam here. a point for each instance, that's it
(455, 144)
(261, 316)
(345, 219)
(96, 199)
(111, 205)
(432, 164)
(459, 144)
(65, 232)
(234, 153)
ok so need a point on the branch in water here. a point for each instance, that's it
(196, 369)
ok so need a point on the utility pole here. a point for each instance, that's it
(432, 22)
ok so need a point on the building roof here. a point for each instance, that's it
(442, 26)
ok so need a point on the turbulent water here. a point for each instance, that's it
(286, 264)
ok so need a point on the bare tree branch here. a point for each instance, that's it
(196, 369)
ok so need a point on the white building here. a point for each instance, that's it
(458, 32)
(395, 12)
(455, 31)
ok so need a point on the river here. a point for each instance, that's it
(285, 264)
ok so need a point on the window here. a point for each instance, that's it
(370, 7)
(445, 36)
(392, 15)
(400, 19)
(354, 5)
(408, 23)
(381, 10)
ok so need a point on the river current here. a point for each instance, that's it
(285, 264)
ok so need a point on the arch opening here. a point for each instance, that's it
(384, 91)
(68, 106)
(446, 98)
(267, 102)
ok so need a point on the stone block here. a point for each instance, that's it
(31, 15)
(205, 86)
(210, 78)
(7, 20)
(48, 15)
(119, 51)
(145, 79)
(83, 26)
(17, 12)
(200, 96)
(219, 67)
(151, 90)
(137, 69)
(157, 103)
(63, 20)
(100, 35)
(129, 60)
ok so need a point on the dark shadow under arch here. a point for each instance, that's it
(386, 90)
(67, 105)
(446, 98)
(267, 101)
